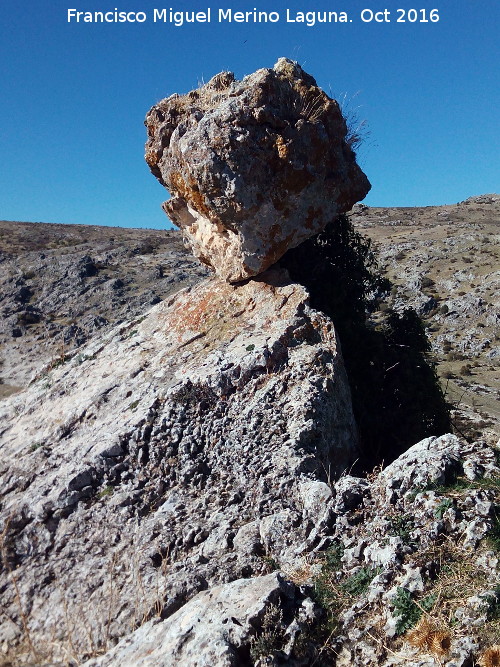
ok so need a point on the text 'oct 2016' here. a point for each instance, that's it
(309, 18)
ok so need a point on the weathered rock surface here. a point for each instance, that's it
(215, 628)
(95, 562)
(172, 454)
(61, 285)
(254, 166)
(403, 532)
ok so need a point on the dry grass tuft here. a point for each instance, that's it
(459, 577)
(300, 575)
(490, 657)
(426, 636)
(440, 643)
(82, 629)
(420, 635)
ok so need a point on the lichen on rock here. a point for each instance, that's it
(254, 167)
(170, 456)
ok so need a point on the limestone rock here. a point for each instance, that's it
(431, 461)
(387, 534)
(254, 167)
(128, 474)
(212, 630)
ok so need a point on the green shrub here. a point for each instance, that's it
(333, 556)
(444, 505)
(357, 584)
(395, 391)
(407, 612)
(494, 532)
(401, 526)
(195, 396)
(427, 282)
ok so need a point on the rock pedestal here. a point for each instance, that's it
(169, 455)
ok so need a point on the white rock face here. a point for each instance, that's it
(209, 631)
(128, 472)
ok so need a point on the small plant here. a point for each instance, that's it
(358, 583)
(402, 526)
(427, 282)
(329, 596)
(333, 556)
(196, 396)
(493, 613)
(270, 639)
(494, 532)
(411, 495)
(250, 347)
(271, 563)
(333, 596)
(490, 657)
(81, 358)
(443, 506)
(107, 491)
(58, 362)
(133, 405)
(357, 129)
(426, 636)
(407, 611)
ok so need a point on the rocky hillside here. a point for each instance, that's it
(61, 285)
(445, 261)
(434, 551)
(177, 451)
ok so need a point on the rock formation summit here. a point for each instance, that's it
(254, 167)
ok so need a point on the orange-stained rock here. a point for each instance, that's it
(254, 167)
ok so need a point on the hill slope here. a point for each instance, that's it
(62, 284)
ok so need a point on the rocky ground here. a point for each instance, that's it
(132, 419)
(60, 285)
(445, 262)
(187, 442)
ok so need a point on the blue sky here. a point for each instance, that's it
(73, 97)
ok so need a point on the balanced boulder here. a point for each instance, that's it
(254, 167)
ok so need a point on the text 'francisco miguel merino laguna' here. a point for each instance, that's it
(179, 18)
